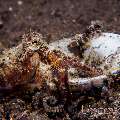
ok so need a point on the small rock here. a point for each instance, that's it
(20, 2)
(10, 9)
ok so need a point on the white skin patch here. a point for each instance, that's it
(61, 45)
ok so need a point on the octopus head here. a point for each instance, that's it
(34, 41)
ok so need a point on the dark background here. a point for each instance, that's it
(54, 18)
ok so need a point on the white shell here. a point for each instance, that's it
(106, 44)
(105, 48)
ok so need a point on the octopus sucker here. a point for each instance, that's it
(83, 60)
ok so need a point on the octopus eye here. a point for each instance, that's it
(34, 42)
(97, 26)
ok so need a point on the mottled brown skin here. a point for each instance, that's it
(20, 74)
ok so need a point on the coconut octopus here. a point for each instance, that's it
(82, 61)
